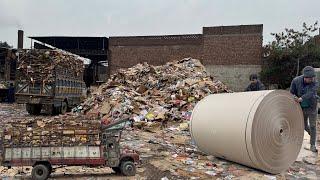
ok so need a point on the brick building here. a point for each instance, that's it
(231, 53)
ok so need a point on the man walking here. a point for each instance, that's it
(304, 88)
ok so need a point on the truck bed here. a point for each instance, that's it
(75, 155)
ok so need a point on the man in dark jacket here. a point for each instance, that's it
(304, 88)
(255, 84)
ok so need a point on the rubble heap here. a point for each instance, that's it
(39, 65)
(145, 93)
(64, 130)
(153, 93)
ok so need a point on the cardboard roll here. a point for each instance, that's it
(261, 129)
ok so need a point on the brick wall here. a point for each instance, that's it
(155, 50)
(229, 52)
(232, 45)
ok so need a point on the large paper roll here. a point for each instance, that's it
(261, 129)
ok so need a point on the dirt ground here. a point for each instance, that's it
(166, 154)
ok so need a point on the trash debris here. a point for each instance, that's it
(184, 126)
(170, 151)
(2, 86)
(38, 65)
(159, 100)
(58, 130)
(211, 173)
(154, 93)
(310, 160)
(269, 177)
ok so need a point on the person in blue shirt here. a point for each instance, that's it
(304, 88)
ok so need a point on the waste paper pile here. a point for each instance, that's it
(60, 130)
(153, 93)
(145, 93)
(3, 85)
(39, 65)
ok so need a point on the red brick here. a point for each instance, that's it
(224, 45)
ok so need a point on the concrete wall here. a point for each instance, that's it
(235, 77)
(231, 53)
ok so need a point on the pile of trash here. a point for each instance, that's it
(153, 93)
(3, 85)
(59, 130)
(42, 65)
(144, 93)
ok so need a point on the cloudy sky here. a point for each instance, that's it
(147, 17)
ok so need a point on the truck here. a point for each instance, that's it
(50, 80)
(43, 158)
(7, 71)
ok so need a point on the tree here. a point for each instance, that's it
(4, 44)
(290, 51)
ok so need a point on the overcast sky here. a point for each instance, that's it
(147, 17)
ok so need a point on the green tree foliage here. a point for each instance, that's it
(4, 45)
(285, 57)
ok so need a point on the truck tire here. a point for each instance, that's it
(54, 110)
(40, 172)
(34, 109)
(28, 108)
(64, 108)
(128, 168)
(116, 170)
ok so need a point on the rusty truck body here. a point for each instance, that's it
(46, 82)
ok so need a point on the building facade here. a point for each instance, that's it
(230, 53)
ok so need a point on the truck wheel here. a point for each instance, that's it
(40, 172)
(128, 168)
(28, 108)
(64, 108)
(53, 110)
(34, 109)
(116, 170)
